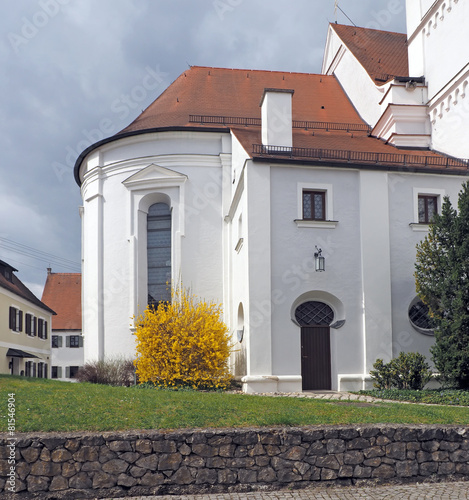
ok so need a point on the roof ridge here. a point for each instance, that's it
(368, 29)
(258, 71)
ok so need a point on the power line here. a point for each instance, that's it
(337, 5)
(39, 255)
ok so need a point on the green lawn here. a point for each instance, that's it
(48, 405)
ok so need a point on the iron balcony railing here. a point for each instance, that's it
(256, 122)
(360, 156)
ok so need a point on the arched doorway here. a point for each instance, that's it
(314, 319)
(159, 253)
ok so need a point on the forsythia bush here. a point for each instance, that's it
(183, 343)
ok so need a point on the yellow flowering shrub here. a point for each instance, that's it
(183, 343)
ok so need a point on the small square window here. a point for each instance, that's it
(314, 205)
(74, 341)
(427, 207)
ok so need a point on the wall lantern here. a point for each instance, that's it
(320, 261)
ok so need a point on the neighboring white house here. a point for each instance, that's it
(24, 328)
(62, 292)
(242, 183)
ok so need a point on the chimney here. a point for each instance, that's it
(276, 110)
(49, 270)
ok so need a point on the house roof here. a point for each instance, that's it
(220, 99)
(17, 287)
(62, 292)
(383, 54)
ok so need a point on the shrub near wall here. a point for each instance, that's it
(143, 463)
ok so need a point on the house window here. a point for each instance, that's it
(314, 205)
(30, 369)
(56, 341)
(159, 253)
(75, 341)
(42, 329)
(428, 207)
(56, 372)
(71, 371)
(31, 325)
(16, 319)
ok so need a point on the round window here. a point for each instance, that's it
(314, 313)
(419, 317)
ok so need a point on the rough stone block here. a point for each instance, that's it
(353, 457)
(53, 443)
(30, 454)
(103, 480)
(407, 468)
(182, 476)
(266, 475)
(428, 468)
(430, 446)
(143, 446)
(316, 448)
(262, 461)
(37, 483)
(272, 439)
(58, 483)
(80, 481)
(60, 455)
(91, 467)
(227, 476)
(126, 481)
(328, 461)
(384, 471)
(206, 476)
(149, 462)
(446, 468)
(374, 451)
(294, 453)
(459, 456)
(119, 446)
(346, 471)
(215, 463)
(72, 445)
(87, 454)
(40, 468)
(115, 466)
(165, 446)
(362, 472)
(203, 450)
(169, 461)
(358, 444)
(328, 474)
(448, 446)
(150, 479)
(397, 451)
(287, 476)
(335, 446)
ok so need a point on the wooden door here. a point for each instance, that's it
(316, 357)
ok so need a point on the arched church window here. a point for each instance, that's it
(314, 313)
(159, 253)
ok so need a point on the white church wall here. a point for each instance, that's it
(113, 278)
(294, 275)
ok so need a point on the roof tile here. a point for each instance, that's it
(62, 292)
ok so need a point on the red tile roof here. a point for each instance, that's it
(62, 292)
(238, 92)
(17, 287)
(383, 54)
(205, 98)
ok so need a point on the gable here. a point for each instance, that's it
(154, 176)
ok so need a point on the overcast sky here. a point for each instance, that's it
(76, 71)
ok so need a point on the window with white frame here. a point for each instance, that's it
(31, 325)
(42, 328)
(315, 205)
(426, 203)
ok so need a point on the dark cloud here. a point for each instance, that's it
(69, 64)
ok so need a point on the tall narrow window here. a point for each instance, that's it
(159, 253)
(314, 205)
(428, 207)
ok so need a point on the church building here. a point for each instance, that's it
(295, 200)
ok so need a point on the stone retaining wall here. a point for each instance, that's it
(71, 465)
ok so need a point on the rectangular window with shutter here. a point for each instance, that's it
(15, 319)
(314, 205)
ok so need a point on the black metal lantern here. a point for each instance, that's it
(320, 261)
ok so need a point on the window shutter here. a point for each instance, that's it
(12, 324)
(67, 341)
(34, 369)
(28, 324)
(45, 370)
(59, 338)
(45, 330)
(34, 326)
(67, 372)
(80, 341)
(59, 372)
(20, 326)
(39, 327)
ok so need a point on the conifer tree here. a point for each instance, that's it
(442, 282)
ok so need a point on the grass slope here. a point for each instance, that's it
(48, 405)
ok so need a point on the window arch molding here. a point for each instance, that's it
(326, 298)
